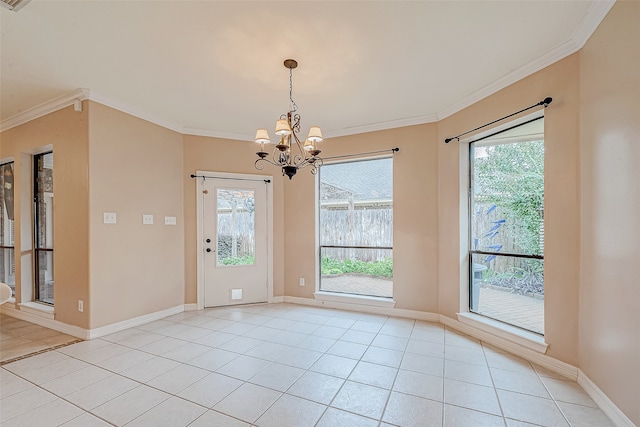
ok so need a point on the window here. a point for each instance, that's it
(7, 243)
(506, 262)
(356, 227)
(236, 227)
(43, 227)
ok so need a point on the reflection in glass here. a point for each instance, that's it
(236, 227)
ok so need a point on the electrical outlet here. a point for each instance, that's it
(169, 220)
(147, 219)
(80, 306)
(302, 281)
(109, 218)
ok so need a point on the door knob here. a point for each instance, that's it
(208, 240)
(208, 249)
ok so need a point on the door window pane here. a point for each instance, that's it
(235, 227)
(356, 227)
(506, 267)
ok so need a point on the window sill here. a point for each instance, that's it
(519, 336)
(355, 299)
(42, 310)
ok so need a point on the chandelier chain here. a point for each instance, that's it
(293, 107)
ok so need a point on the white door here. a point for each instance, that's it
(234, 241)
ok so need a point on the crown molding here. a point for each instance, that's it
(391, 124)
(133, 111)
(216, 134)
(594, 16)
(43, 109)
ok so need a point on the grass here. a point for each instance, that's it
(382, 268)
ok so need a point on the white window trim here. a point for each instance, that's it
(505, 331)
(355, 299)
(39, 309)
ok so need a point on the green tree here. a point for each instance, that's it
(511, 176)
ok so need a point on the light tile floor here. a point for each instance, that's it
(287, 365)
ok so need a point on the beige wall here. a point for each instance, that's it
(136, 169)
(66, 131)
(415, 215)
(610, 200)
(223, 155)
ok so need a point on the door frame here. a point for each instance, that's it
(199, 227)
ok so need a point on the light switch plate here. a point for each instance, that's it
(109, 218)
(147, 219)
(169, 220)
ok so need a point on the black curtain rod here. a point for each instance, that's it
(545, 102)
(393, 150)
(266, 181)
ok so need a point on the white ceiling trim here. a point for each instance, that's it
(411, 121)
(597, 11)
(594, 16)
(133, 111)
(43, 109)
(216, 134)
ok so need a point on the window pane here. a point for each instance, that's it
(356, 213)
(45, 276)
(43, 229)
(509, 289)
(356, 203)
(508, 198)
(357, 271)
(7, 254)
(8, 268)
(236, 227)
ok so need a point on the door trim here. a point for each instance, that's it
(199, 227)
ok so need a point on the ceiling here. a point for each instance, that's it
(216, 67)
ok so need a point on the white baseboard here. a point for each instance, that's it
(608, 407)
(191, 307)
(277, 300)
(386, 311)
(44, 320)
(88, 334)
(554, 365)
(136, 321)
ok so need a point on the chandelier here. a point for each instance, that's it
(290, 154)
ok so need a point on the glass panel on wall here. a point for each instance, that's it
(506, 267)
(7, 252)
(43, 208)
(356, 227)
(236, 227)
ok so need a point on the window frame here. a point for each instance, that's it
(330, 295)
(37, 249)
(470, 249)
